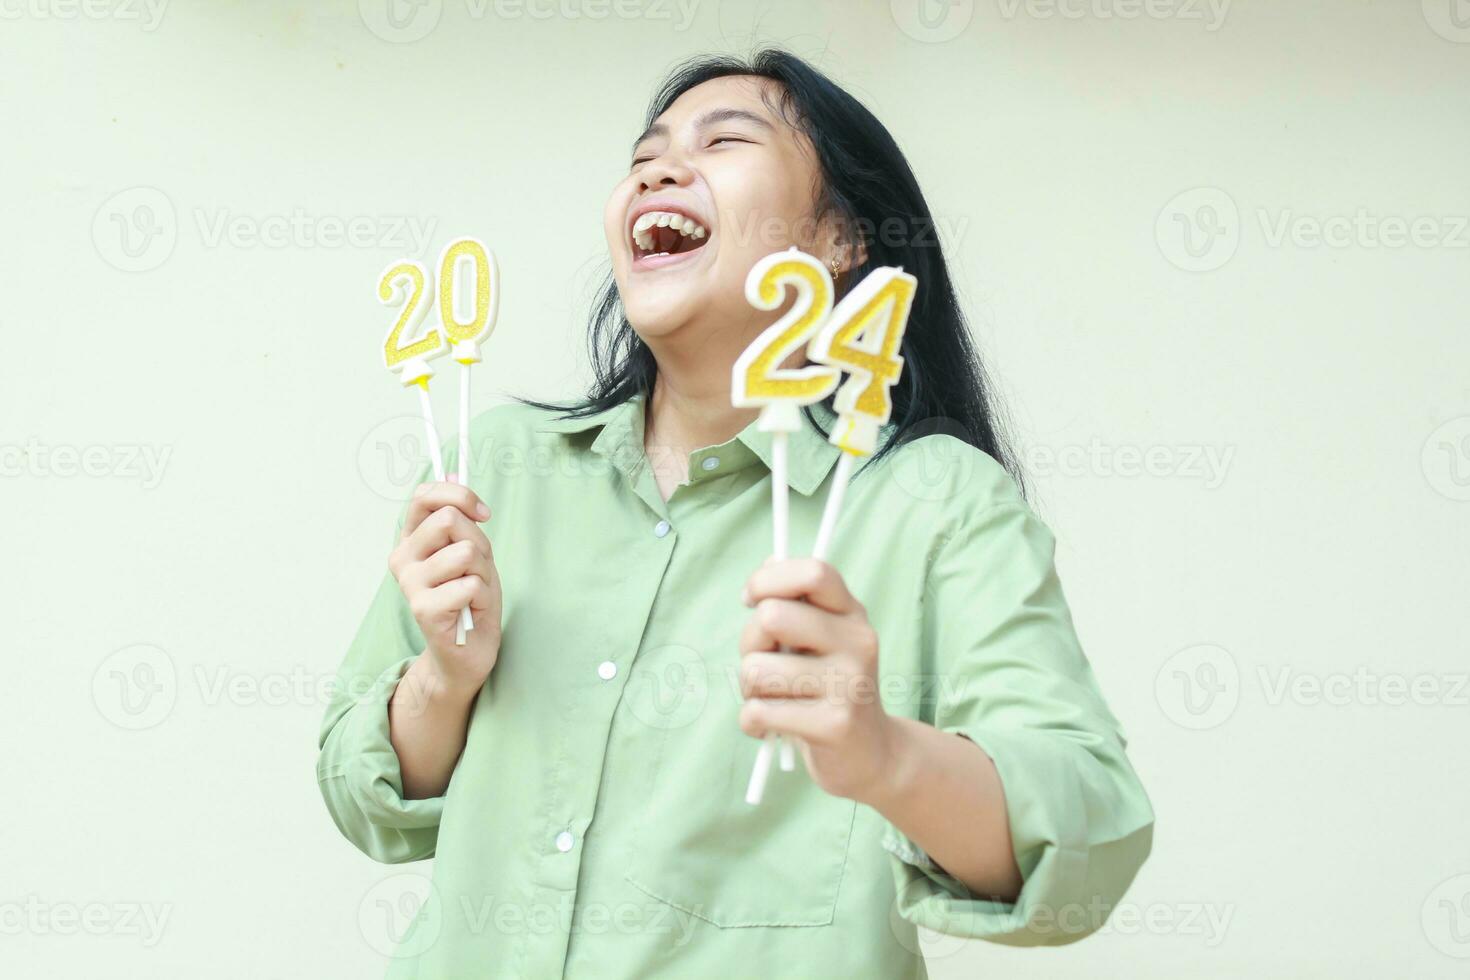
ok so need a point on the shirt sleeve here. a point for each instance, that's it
(357, 767)
(1013, 679)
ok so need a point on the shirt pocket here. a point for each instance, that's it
(699, 846)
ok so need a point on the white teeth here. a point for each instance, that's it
(643, 229)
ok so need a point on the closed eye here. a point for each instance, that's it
(640, 161)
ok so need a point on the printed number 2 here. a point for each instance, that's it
(758, 380)
(397, 350)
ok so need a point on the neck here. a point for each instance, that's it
(690, 405)
(688, 411)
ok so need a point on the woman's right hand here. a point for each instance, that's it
(443, 563)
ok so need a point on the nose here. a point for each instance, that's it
(666, 170)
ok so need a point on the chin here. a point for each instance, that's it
(657, 319)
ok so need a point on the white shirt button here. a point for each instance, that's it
(564, 841)
(607, 670)
(660, 529)
(710, 463)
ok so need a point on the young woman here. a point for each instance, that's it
(578, 767)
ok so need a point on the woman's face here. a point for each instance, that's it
(718, 182)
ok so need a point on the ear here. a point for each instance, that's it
(842, 243)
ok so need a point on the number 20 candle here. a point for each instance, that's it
(462, 327)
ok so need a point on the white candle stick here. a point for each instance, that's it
(780, 534)
(466, 620)
(431, 433)
(833, 507)
(465, 326)
(436, 458)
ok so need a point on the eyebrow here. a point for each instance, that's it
(710, 118)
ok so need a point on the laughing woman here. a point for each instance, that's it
(578, 768)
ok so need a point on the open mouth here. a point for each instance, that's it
(662, 237)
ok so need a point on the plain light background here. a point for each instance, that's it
(1216, 255)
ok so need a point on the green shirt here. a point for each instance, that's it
(596, 824)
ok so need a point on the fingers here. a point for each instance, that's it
(795, 624)
(817, 721)
(800, 578)
(803, 627)
(791, 675)
(431, 497)
(444, 526)
(471, 590)
(454, 560)
(439, 607)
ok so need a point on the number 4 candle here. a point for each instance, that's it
(863, 335)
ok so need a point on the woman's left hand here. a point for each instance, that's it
(825, 691)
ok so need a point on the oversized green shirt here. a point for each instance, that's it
(596, 825)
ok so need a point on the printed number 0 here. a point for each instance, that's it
(466, 335)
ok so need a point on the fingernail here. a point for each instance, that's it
(745, 596)
(481, 511)
(421, 489)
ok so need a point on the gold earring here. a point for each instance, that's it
(836, 267)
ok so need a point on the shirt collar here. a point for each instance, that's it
(810, 457)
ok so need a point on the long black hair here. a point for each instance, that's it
(866, 185)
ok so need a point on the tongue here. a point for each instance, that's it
(668, 240)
